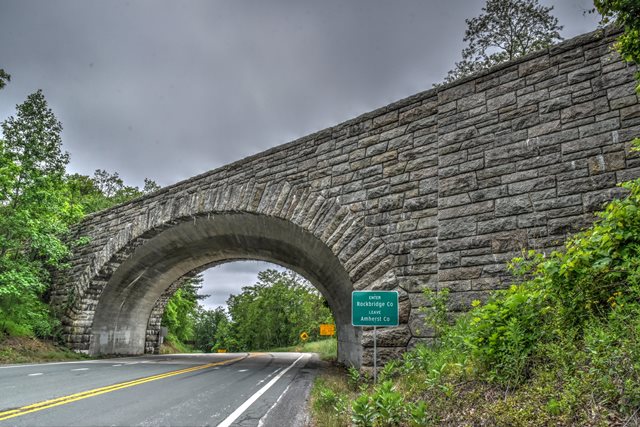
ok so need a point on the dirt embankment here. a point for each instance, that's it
(30, 350)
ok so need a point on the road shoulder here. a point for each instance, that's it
(292, 407)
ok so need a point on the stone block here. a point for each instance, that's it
(587, 184)
(458, 184)
(513, 205)
(607, 162)
(501, 101)
(585, 109)
(510, 153)
(489, 193)
(497, 224)
(427, 109)
(533, 98)
(595, 200)
(454, 228)
(466, 210)
(456, 92)
(583, 73)
(531, 185)
(385, 354)
(459, 273)
(544, 128)
(509, 241)
(385, 119)
(388, 337)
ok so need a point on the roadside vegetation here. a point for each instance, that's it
(270, 314)
(33, 350)
(326, 348)
(561, 346)
(39, 201)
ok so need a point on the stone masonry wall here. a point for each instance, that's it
(455, 181)
(526, 154)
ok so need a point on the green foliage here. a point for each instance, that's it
(329, 399)
(4, 78)
(104, 190)
(384, 407)
(363, 411)
(205, 327)
(389, 404)
(172, 344)
(181, 310)
(436, 313)
(389, 371)
(275, 311)
(418, 414)
(34, 213)
(613, 347)
(225, 336)
(626, 14)
(507, 29)
(504, 332)
(37, 204)
(355, 379)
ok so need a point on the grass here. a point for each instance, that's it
(327, 406)
(32, 350)
(327, 349)
(172, 345)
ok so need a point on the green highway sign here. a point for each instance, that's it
(374, 308)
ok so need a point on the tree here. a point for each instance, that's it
(626, 14)
(104, 190)
(4, 78)
(35, 211)
(180, 312)
(37, 204)
(225, 336)
(206, 326)
(274, 311)
(507, 29)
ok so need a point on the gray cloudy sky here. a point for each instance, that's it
(170, 89)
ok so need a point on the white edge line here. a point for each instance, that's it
(44, 364)
(261, 422)
(235, 414)
(74, 362)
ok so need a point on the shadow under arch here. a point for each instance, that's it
(196, 243)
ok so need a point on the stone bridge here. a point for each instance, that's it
(434, 191)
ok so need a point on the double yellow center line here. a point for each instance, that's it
(102, 390)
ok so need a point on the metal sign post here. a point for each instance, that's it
(374, 308)
(375, 357)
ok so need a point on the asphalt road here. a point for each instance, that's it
(232, 389)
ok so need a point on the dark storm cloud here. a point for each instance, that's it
(167, 89)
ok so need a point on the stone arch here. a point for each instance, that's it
(119, 276)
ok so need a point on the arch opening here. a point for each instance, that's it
(198, 243)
